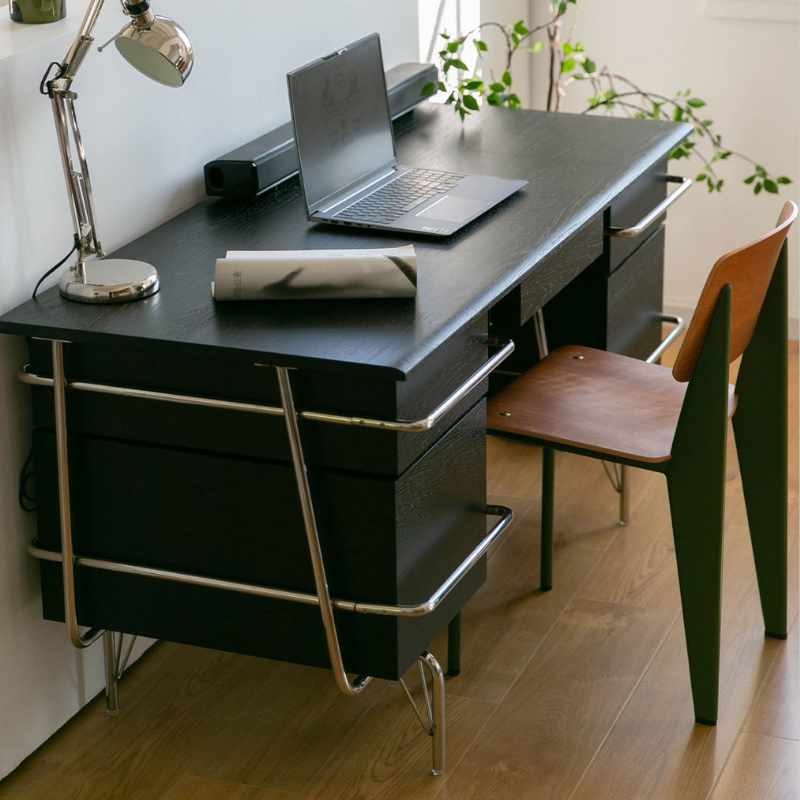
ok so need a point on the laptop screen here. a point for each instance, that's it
(341, 119)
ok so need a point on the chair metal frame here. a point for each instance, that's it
(115, 661)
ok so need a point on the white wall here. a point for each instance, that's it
(747, 72)
(147, 146)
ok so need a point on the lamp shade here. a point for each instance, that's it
(162, 51)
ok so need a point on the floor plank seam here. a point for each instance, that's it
(625, 704)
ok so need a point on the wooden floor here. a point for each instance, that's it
(579, 693)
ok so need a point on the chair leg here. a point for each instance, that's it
(761, 428)
(548, 502)
(696, 484)
(697, 526)
(454, 646)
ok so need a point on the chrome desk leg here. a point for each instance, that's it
(541, 334)
(433, 722)
(112, 693)
(320, 580)
(68, 557)
(619, 480)
(624, 496)
(437, 714)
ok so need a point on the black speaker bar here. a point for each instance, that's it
(262, 164)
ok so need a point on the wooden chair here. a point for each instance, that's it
(622, 410)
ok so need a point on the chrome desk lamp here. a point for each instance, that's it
(157, 47)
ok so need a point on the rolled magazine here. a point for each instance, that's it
(316, 274)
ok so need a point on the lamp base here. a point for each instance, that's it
(109, 280)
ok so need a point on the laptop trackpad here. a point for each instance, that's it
(453, 209)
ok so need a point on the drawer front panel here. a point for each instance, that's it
(635, 300)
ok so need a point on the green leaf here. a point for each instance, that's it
(521, 29)
(494, 99)
(568, 65)
(761, 172)
(507, 78)
(473, 85)
(701, 177)
(428, 89)
(471, 103)
(771, 186)
(515, 100)
(589, 65)
(515, 39)
(568, 49)
(578, 47)
(458, 64)
(708, 122)
(677, 115)
(498, 87)
(453, 46)
(481, 45)
(759, 187)
(445, 35)
(695, 102)
(537, 47)
(783, 180)
(562, 8)
(750, 179)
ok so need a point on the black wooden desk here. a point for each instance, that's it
(211, 491)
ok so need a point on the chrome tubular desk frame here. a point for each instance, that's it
(114, 660)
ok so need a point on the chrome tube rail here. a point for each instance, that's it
(399, 426)
(645, 222)
(680, 325)
(306, 598)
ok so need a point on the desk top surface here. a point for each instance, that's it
(575, 166)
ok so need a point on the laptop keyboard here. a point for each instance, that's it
(400, 196)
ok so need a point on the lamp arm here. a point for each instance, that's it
(83, 42)
(62, 98)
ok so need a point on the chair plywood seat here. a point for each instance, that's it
(595, 400)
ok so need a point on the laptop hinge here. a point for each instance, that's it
(357, 191)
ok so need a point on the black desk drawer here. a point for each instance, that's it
(386, 541)
(635, 300)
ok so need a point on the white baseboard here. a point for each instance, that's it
(687, 311)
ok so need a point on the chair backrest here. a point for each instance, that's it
(748, 270)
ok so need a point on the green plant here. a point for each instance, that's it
(610, 92)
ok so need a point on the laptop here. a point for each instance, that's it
(348, 167)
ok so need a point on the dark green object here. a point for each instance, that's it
(696, 483)
(760, 425)
(454, 646)
(548, 509)
(38, 11)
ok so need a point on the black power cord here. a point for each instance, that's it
(75, 246)
(27, 501)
